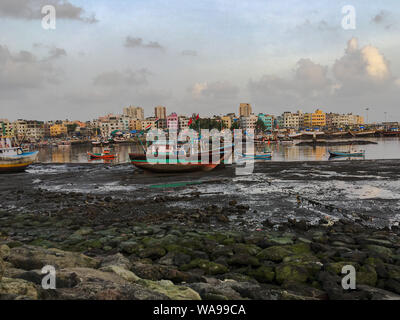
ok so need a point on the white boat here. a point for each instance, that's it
(13, 159)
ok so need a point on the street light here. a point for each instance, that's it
(367, 109)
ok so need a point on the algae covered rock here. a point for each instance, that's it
(18, 288)
(208, 267)
(264, 274)
(172, 291)
(30, 258)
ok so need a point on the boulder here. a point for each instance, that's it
(20, 289)
(173, 292)
(123, 273)
(100, 285)
(30, 258)
(263, 274)
(159, 272)
(208, 267)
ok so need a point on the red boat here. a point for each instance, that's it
(104, 155)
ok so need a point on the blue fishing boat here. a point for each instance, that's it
(259, 156)
(360, 153)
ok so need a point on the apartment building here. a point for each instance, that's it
(268, 120)
(160, 112)
(248, 123)
(245, 110)
(183, 122)
(315, 119)
(134, 112)
(58, 130)
(173, 122)
(293, 120)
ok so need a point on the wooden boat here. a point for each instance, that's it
(15, 159)
(174, 159)
(104, 155)
(360, 153)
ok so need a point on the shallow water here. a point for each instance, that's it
(387, 148)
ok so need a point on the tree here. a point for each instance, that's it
(260, 126)
(235, 125)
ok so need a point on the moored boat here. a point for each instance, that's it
(104, 155)
(360, 153)
(175, 159)
(14, 159)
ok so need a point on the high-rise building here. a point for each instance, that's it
(245, 110)
(160, 112)
(134, 112)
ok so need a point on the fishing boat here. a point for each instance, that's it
(256, 156)
(106, 154)
(14, 159)
(170, 158)
(360, 153)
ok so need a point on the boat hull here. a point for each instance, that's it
(168, 165)
(344, 154)
(17, 163)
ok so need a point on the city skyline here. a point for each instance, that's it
(198, 58)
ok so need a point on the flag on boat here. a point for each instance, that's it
(197, 117)
(148, 127)
(190, 121)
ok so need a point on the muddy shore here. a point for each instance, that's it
(283, 233)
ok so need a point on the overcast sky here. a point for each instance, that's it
(202, 56)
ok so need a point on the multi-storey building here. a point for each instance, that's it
(293, 120)
(173, 122)
(58, 130)
(268, 121)
(160, 112)
(149, 123)
(248, 123)
(134, 112)
(135, 124)
(245, 110)
(183, 122)
(6, 128)
(226, 121)
(315, 119)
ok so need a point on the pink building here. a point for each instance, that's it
(172, 122)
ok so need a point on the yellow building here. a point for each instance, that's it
(227, 122)
(58, 130)
(316, 119)
(135, 124)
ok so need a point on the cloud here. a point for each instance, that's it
(309, 80)
(192, 53)
(380, 17)
(23, 70)
(122, 78)
(131, 42)
(361, 69)
(213, 90)
(56, 53)
(361, 75)
(31, 9)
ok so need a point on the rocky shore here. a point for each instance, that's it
(127, 259)
(115, 233)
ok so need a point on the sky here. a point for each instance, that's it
(205, 56)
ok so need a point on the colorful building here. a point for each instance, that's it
(173, 122)
(316, 119)
(268, 121)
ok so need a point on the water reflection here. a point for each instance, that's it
(387, 148)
